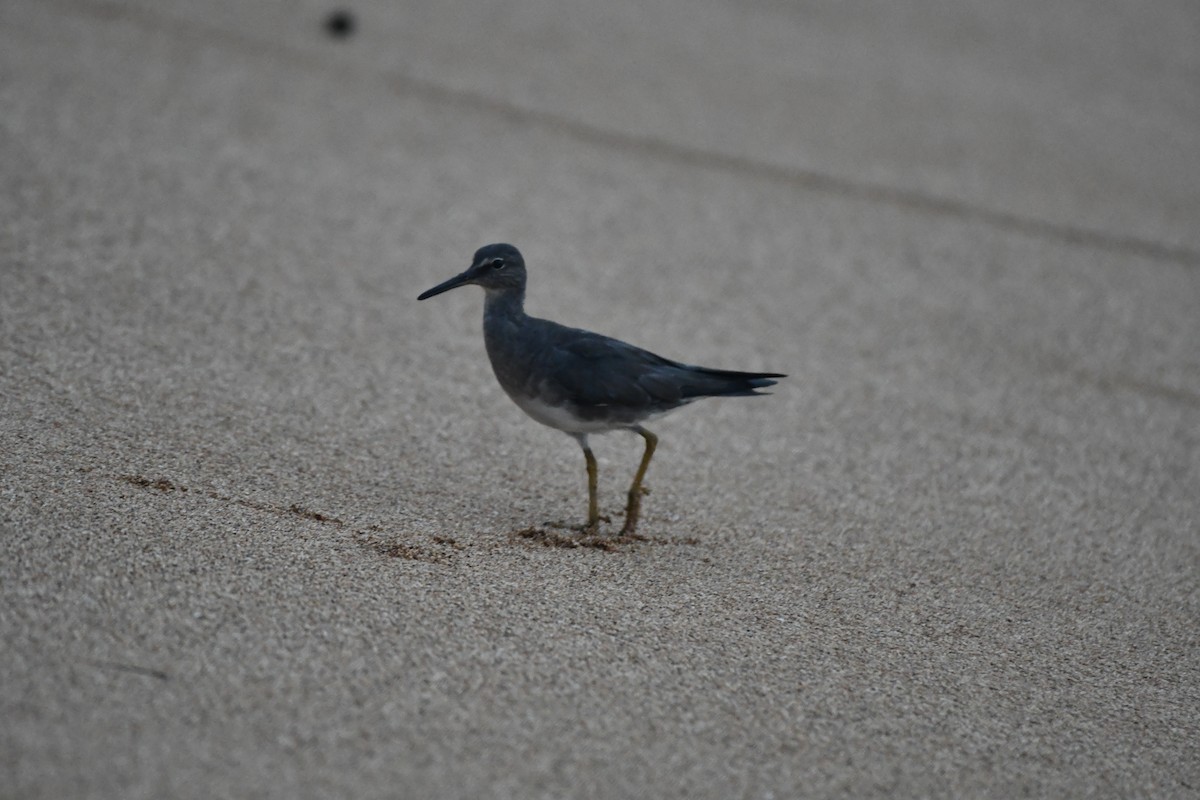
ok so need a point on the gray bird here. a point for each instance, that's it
(581, 382)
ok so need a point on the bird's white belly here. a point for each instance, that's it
(560, 418)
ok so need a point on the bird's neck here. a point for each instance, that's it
(504, 303)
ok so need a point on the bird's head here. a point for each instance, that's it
(494, 267)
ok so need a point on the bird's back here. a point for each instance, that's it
(563, 376)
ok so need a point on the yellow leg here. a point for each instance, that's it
(593, 523)
(633, 509)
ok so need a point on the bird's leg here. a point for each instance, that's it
(593, 523)
(636, 491)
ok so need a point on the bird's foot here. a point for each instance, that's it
(589, 528)
(629, 529)
(633, 511)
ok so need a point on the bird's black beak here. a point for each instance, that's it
(453, 283)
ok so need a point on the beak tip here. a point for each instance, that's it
(453, 283)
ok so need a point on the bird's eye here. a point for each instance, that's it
(498, 263)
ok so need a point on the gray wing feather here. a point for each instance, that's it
(602, 374)
(595, 370)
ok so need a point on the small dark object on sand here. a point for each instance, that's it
(340, 23)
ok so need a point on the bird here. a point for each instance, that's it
(580, 382)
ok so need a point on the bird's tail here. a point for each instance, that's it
(728, 383)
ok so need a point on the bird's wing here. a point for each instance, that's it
(595, 370)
